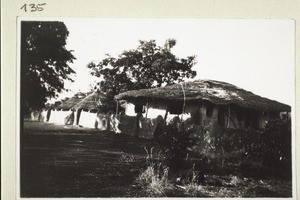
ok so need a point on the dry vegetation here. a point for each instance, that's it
(157, 180)
(60, 162)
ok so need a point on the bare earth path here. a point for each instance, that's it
(69, 161)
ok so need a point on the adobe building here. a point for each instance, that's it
(205, 103)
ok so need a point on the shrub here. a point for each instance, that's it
(174, 140)
(270, 146)
(277, 144)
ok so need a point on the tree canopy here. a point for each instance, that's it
(44, 62)
(147, 66)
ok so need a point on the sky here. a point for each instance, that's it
(256, 55)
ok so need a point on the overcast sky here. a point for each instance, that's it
(256, 55)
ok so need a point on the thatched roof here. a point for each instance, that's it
(90, 102)
(55, 104)
(71, 102)
(217, 92)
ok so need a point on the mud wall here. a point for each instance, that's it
(134, 125)
(58, 117)
(87, 119)
(40, 116)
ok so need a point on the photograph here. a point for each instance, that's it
(156, 107)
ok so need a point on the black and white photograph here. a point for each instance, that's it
(150, 107)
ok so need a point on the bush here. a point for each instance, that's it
(174, 140)
(272, 145)
(277, 144)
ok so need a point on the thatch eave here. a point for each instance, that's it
(219, 93)
(71, 102)
(90, 103)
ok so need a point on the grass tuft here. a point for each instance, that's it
(155, 180)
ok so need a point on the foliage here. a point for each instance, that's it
(277, 143)
(147, 66)
(270, 146)
(175, 140)
(44, 62)
(231, 143)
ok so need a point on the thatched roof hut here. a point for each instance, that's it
(217, 92)
(56, 104)
(71, 102)
(90, 103)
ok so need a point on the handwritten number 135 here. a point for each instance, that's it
(33, 7)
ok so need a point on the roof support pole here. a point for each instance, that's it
(117, 109)
(183, 106)
(147, 108)
(78, 113)
(166, 115)
(228, 118)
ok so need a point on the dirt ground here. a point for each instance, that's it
(71, 161)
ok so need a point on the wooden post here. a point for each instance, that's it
(78, 113)
(183, 106)
(228, 118)
(117, 109)
(147, 109)
(166, 115)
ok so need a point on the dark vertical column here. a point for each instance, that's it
(48, 115)
(166, 115)
(228, 117)
(22, 110)
(202, 113)
(78, 116)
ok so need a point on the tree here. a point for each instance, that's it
(44, 62)
(148, 66)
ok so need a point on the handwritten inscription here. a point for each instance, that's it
(33, 7)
